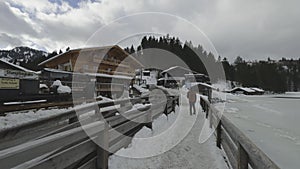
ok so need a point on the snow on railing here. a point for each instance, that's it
(52, 143)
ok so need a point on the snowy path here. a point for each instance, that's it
(187, 154)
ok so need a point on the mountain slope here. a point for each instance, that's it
(25, 56)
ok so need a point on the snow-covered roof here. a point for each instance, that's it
(195, 74)
(202, 84)
(110, 76)
(87, 49)
(60, 71)
(171, 78)
(245, 89)
(257, 89)
(73, 50)
(17, 66)
(177, 67)
(91, 74)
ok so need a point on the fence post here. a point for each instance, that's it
(219, 132)
(73, 120)
(174, 105)
(98, 112)
(210, 117)
(206, 110)
(103, 148)
(242, 157)
(149, 119)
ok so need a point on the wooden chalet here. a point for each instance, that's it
(109, 60)
(110, 68)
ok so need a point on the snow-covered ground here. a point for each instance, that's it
(15, 119)
(187, 152)
(271, 123)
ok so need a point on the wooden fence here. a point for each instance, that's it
(242, 153)
(64, 141)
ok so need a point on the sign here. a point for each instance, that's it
(17, 74)
(7, 83)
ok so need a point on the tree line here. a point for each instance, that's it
(277, 76)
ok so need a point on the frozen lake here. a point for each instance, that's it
(271, 123)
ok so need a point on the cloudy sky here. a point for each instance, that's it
(254, 29)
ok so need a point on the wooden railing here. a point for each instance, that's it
(240, 150)
(61, 141)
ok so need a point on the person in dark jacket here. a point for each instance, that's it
(191, 95)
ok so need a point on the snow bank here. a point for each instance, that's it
(64, 89)
(43, 86)
(292, 93)
(61, 88)
(15, 119)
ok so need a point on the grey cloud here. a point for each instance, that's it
(254, 29)
(6, 40)
(12, 24)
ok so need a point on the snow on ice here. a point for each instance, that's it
(270, 121)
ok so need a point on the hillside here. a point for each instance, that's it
(25, 56)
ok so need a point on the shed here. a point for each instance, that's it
(258, 91)
(16, 81)
(243, 90)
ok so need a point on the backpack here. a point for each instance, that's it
(191, 96)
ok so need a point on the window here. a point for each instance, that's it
(66, 67)
(146, 73)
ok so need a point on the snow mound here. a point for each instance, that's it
(56, 83)
(64, 89)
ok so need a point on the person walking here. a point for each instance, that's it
(191, 95)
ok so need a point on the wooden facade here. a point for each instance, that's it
(110, 69)
(111, 60)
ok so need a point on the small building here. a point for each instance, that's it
(175, 73)
(247, 90)
(243, 90)
(147, 77)
(182, 76)
(16, 81)
(258, 91)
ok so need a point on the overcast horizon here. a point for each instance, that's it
(254, 29)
